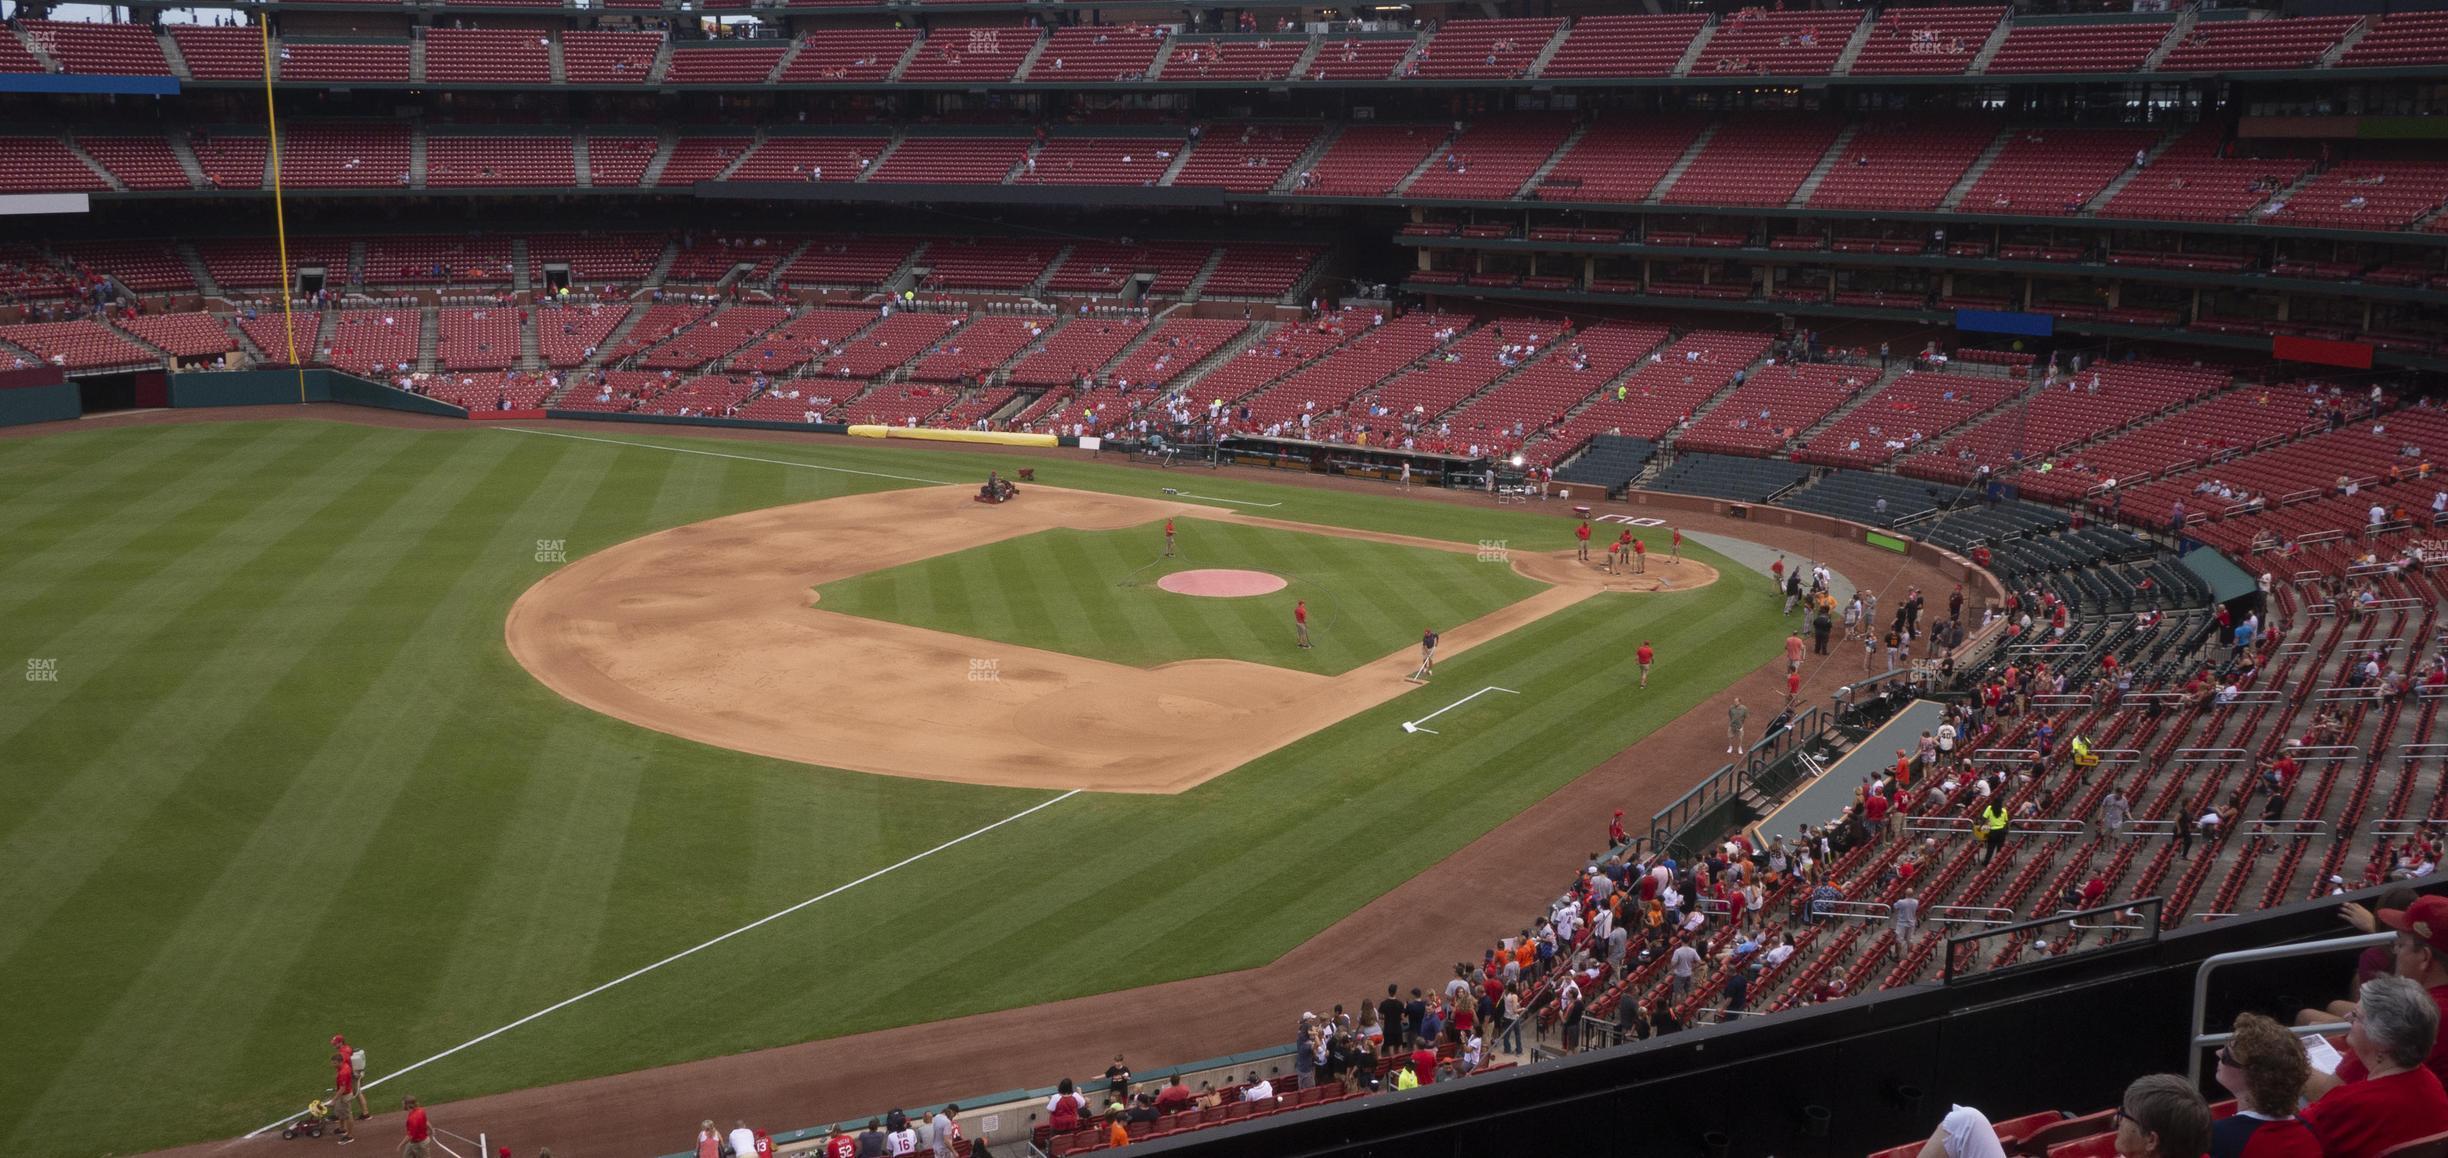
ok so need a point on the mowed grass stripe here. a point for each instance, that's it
(549, 896)
(171, 848)
(103, 763)
(316, 819)
(66, 559)
(464, 779)
(150, 485)
(103, 465)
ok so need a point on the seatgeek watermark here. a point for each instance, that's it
(552, 551)
(42, 671)
(1494, 551)
(985, 671)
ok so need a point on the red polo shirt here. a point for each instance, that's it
(1645, 655)
(2364, 1119)
(1583, 532)
(418, 1130)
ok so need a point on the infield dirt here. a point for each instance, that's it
(708, 632)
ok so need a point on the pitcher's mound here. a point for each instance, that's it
(1221, 583)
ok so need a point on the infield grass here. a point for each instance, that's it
(285, 780)
(1094, 594)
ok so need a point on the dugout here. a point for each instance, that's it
(1379, 462)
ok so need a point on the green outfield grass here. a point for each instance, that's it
(1094, 593)
(288, 781)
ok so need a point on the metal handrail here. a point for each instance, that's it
(2153, 905)
(2201, 982)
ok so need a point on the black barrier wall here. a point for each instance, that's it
(1838, 1080)
(277, 387)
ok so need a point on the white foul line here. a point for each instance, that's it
(719, 454)
(1414, 725)
(634, 974)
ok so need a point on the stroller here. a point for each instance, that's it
(311, 1123)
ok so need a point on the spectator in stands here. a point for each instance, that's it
(2265, 1068)
(2162, 1116)
(943, 1132)
(2392, 1031)
(1964, 1133)
(1064, 1108)
(871, 1140)
(1174, 1098)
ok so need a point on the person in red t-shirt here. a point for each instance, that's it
(1615, 830)
(1678, 546)
(1874, 809)
(1640, 557)
(1583, 535)
(1646, 656)
(344, 1063)
(1168, 538)
(1793, 688)
(2392, 1028)
(841, 1145)
(418, 1130)
(1423, 1065)
(1300, 622)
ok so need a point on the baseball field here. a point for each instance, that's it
(415, 733)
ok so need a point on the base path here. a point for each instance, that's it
(706, 632)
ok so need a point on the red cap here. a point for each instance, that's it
(2426, 918)
(339, 1040)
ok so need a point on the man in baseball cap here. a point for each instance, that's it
(345, 1079)
(2421, 955)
